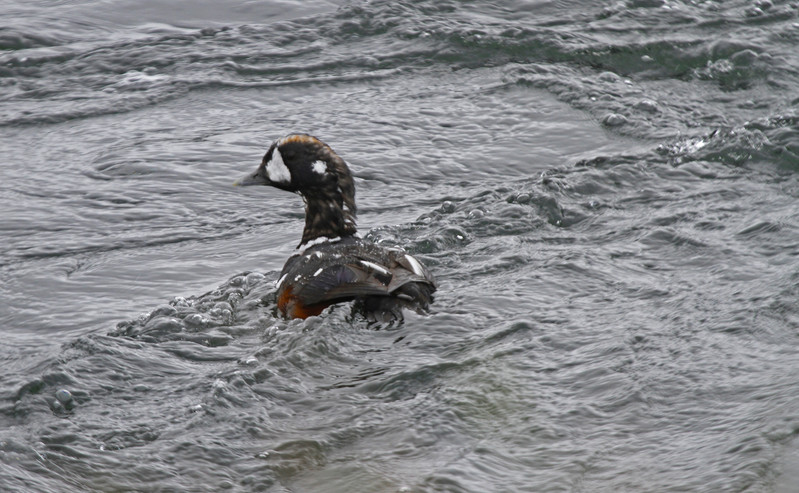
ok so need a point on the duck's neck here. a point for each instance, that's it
(327, 217)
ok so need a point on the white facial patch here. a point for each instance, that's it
(319, 167)
(276, 169)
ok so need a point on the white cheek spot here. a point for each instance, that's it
(416, 267)
(319, 167)
(276, 169)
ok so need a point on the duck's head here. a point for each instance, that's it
(304, 164)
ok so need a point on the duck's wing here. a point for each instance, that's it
(359, 277)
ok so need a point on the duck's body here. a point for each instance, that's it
(334, 264)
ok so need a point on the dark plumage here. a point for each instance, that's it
(334, 264)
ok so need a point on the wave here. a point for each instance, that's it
(586, 59)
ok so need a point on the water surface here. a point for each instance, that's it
(606, 193)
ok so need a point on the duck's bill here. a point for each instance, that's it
(256, 178)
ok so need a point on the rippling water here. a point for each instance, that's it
(607, 193)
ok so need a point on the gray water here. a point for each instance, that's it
(606, 192)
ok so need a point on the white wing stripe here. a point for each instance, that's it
(416, 267)
(375, 267)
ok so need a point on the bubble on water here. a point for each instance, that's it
(608, 77)
(646, 105)
(135, 80)
(254, 278)
(180, 301)
(614, 120)
(163, 325)
(523, 198)
(63, 396)
(163, 310)
(195, 319)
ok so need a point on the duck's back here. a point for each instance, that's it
(383, 280)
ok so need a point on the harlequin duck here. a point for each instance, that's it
(334, 264)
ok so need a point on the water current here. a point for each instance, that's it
(605, 191)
